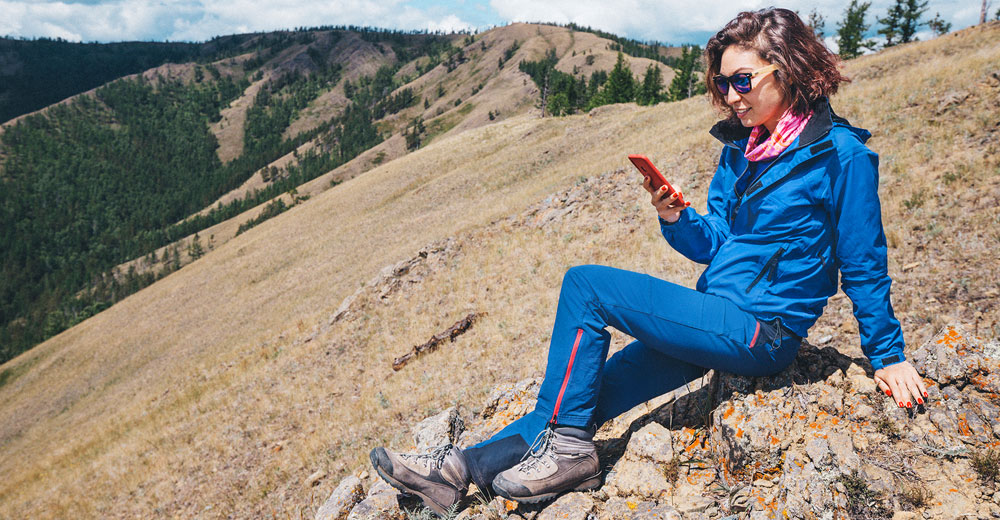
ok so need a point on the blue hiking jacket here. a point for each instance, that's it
(776, 249)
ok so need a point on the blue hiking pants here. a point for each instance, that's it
(679, 334)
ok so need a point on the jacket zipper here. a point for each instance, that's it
(770, 269)
(754, 186)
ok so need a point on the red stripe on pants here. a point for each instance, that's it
(569, 368)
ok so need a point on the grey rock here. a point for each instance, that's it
(347, 494)
(571, 506)
(632, 508)
(381, 502)
(443, 428)
(640, 471)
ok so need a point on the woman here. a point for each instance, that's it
(794, 200)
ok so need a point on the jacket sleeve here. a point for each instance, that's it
(698, 237)
(861, 255)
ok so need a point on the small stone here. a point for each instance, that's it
(315, 478)
(904, 515)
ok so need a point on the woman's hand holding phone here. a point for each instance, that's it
(667, 206)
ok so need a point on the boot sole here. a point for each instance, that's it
(399, 486)
(587, 485)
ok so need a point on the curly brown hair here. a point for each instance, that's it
(807, 69)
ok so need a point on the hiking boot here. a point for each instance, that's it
(561, 459)
(440, 478)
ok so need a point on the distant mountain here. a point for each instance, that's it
(113, 188)
(250, 381)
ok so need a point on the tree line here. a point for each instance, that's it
(899, 25)
(113, 176)
(564, 93)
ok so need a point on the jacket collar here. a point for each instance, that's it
(733, 133)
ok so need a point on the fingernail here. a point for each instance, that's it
(925, 394)
(920, 401)
(901, 404)
(909, 404)
(888, 392)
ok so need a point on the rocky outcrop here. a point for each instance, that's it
(817, 440)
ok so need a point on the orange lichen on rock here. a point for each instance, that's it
(963, 426)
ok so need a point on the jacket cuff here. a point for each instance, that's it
(884, 361)
(683, 218)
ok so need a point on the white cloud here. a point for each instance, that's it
(674, 21)
(669, 21)
(197, 20)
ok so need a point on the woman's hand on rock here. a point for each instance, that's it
(902, 382)
(666, 206)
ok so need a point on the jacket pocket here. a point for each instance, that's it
(770, 269)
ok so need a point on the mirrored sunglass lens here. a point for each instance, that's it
(722, 84)
(742, 83)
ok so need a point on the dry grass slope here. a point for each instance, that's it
(218, 390)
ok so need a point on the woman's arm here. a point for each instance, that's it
(698, 237)
(862, 257)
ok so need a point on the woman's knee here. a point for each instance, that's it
(580, 278)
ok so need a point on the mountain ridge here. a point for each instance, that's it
(211, 381)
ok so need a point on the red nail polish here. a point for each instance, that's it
(909, 405)
(925, 394)
(888, 392)
(920, 401)
(901, 404)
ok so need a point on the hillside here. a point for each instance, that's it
(218, 390)
(187, 155)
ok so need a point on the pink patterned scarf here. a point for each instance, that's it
(789, 127)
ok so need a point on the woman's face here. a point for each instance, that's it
(765, 103)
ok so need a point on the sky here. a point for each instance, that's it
(666, 21)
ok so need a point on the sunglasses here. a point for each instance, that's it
(740, 81)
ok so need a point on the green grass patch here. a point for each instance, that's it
(440, 125)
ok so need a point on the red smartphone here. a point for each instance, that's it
(656, 178)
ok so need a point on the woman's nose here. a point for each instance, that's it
(732, 97)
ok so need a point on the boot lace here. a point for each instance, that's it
(434, 458)
(535, 454)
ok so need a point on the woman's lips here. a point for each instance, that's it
(741, 112)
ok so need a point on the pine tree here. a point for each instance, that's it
(817, 23)
(912, 12)
(195, 250)
(620, 87)
(684, 84)
(651, 91)
(939, 25)
(892, 23)
(851, 32)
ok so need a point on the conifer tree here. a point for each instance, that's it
(912, 12)
(620, 87)
(651, 91)
(817, 23)
(851, 31)
(685, 84)
(892, 23)
(939, 25)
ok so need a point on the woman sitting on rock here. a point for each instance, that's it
(793, 202)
